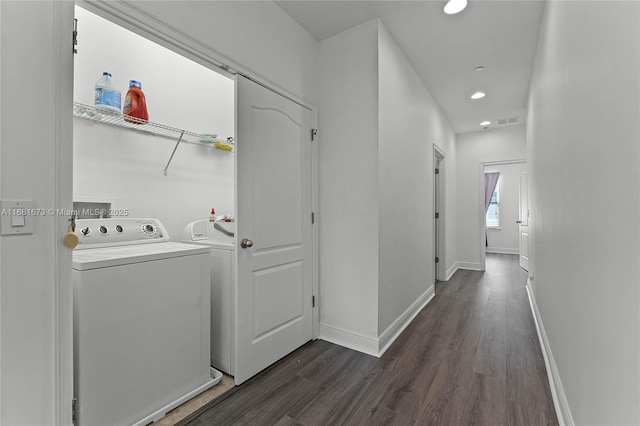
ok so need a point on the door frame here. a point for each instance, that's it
(439, 224)
(137, 20)
(481, 211)
(523, 214)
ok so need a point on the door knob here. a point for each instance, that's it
(245, 243)
(518, 221)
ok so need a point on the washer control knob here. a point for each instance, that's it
(85, 230)
(148, 228)
(103, 229)
(119, 228)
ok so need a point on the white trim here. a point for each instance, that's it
(397, 327)
(439, 151)
(348, 339)
(441, 202)
(315, 227)
(483, 219)
(502, 250)
(560, 402)
(471, 266)
(502, 163)
(371, 345)
(452, 270)
(62, 80)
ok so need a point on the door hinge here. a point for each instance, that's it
(437, 215)
(313, 301)
(75, 35)
(437, 259)
(74, 416)
(314, 133)
(437, 171)
(313, 218)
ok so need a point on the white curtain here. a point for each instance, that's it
(490, 182)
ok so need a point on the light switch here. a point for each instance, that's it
(17, 220)
(16, 217)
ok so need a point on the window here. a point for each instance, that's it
(493, 212)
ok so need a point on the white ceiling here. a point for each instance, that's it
(444, 49)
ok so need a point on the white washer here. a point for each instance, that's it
(141, 322)
(220, 239)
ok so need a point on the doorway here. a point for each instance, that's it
(523, 221)
(500, 208)
(438, 214)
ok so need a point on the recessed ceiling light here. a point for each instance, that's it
(480, 68)
(454, 6)
(478, 95)
(485, 123)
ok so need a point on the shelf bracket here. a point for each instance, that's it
(164, 172)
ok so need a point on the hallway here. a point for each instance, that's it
(471, 357)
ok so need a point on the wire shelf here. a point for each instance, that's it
(117, 119)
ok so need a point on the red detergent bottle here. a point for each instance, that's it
(135, 104)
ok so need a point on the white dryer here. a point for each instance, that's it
(141, 322)
(219, 237)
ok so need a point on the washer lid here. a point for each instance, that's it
(125, 255)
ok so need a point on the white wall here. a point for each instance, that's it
(348, 198)
(505, 238)
(583, 151)
(35, 133)
(378, 124)
(410, 122)
(125, 166)
(473, 149)
(451, 211)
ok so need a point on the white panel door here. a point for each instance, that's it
(523, 221)
(274, 280)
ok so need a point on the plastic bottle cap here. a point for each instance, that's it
(135, 83)
(107, 74)
(213, 211)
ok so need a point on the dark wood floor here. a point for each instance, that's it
(471, 357)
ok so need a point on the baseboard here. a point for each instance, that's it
(371, 345)
(502, 250)
(348, 339)
(452, 270)
(557, 391)
(472, 266)
(397, 327)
